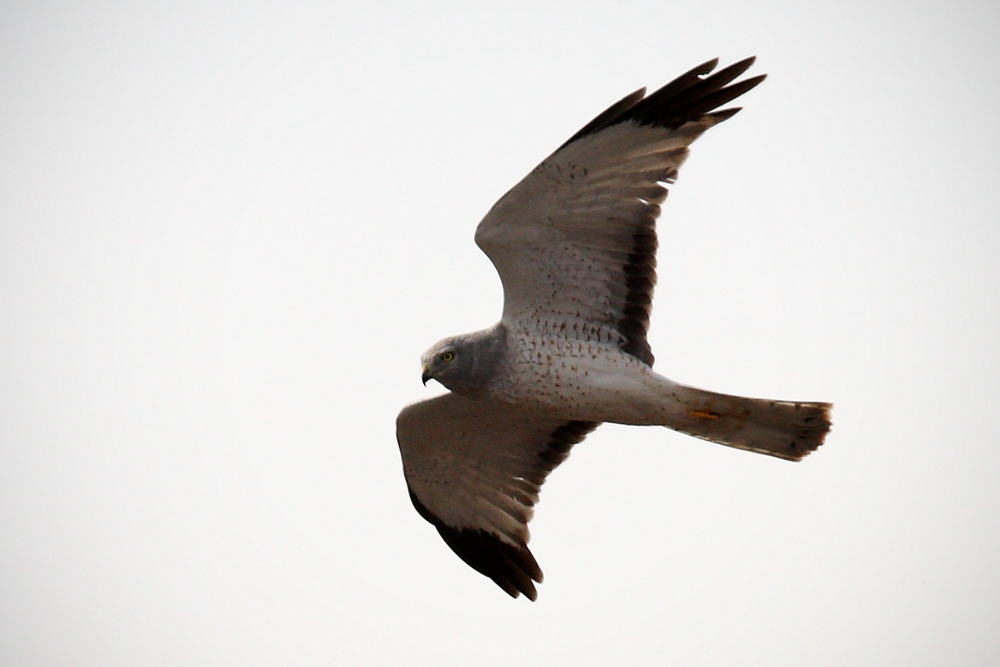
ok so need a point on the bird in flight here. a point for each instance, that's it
(575, 246)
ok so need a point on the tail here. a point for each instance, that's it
(786, 429)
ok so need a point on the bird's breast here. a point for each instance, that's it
(576, 377)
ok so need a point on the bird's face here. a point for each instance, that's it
(442, 362)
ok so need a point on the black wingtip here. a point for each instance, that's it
(608, 116)
(725, 114)
(703, 68)
(737, 67)
(693, 95)
(511, 567)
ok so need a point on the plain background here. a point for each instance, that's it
(228, 230)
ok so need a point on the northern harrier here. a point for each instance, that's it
(575, 246)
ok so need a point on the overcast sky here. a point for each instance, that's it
(228, 231)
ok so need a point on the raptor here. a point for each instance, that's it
(575, 246)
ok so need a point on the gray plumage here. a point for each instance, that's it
(575, 246)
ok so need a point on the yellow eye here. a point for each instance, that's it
(447, 356)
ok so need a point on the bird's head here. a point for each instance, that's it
(466, 364)
(447, 362)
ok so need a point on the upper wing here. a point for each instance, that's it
(575, 241)
(474, 470)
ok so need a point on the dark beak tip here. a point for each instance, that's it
(425, 377)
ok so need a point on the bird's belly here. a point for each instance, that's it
(578, 379)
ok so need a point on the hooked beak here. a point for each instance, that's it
(426, 375)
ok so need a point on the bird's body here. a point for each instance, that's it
(557, 369)
(577, 378)
(575, 245)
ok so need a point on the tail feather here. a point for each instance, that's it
(786, 429)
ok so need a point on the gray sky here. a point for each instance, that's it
(227, 232)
